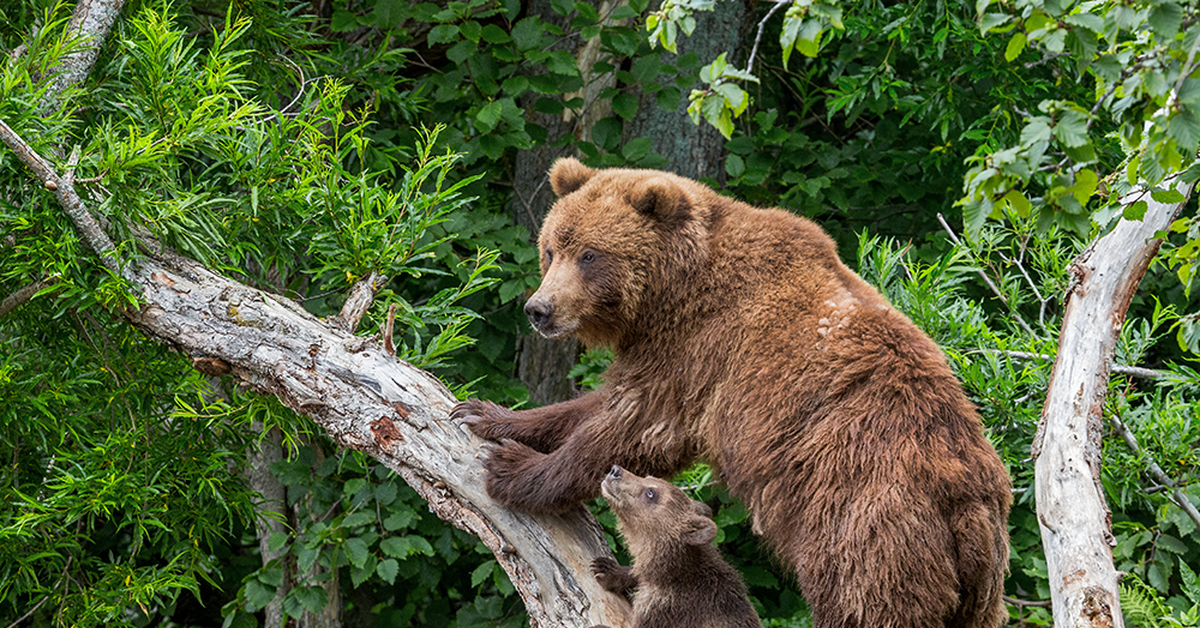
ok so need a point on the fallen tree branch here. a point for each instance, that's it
(368, 401)
(1075, 522)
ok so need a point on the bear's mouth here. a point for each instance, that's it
(552, 329)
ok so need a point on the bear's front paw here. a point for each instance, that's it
(511, 481)
(484, 418)
(612, 576)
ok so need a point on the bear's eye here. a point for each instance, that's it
(587, 258)
(651, 495)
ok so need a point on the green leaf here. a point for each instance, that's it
(734, 165)
(1168, 197)
(1071, 128)
(1135, 211)
(258, 595)
(1184, 128)
(493, 34)
(636, 149)
(625, 105)
(388, 569)
(527, 33)
(356, 551)
(312, 599)
(990, 21)
(489, 116)
(1165, 19)
(482, 572)
(1015, 46)
(277, 541)
(397, 546)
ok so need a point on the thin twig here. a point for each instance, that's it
(1025, 603)
(758, 37)
(1176, 496)
(1132, 371)
(988, 280)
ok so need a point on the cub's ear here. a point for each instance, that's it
(699, 530)
(568, 175)
(657, 197)
(702, 509)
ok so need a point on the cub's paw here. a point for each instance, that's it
(511, 478)
(612, 576)
(484, 418)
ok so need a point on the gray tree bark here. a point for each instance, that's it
(1075, 522)
(693, 151)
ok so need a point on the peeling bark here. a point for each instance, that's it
(1075, 522)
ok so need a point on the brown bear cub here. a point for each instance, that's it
(678, 578)
(741, 339)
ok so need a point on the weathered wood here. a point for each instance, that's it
(369, 401)
(1075, 522)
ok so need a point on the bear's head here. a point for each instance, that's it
(656, 517)
(613, 240)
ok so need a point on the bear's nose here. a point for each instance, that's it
(539, 313)
(615, 472)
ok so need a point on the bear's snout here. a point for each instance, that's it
(615, 472)
(539, 313)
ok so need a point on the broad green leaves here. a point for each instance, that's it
(804, 25)
(1142, 63)
(723, 100)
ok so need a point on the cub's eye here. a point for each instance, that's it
(587, 258)
(651, 495)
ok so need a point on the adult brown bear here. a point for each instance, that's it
(743, 340)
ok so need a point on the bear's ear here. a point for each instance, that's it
(568, 175)
(702, 509)
(699, 531)
(657, 197)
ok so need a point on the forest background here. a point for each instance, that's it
(961, 154)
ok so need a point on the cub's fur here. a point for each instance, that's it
(678, 578)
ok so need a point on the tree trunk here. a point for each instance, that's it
(1075, 522)
(694, 151)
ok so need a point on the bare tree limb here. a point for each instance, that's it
(1176, 496)
(1074, 519)
(91, 22)
(22, 296)
(368, 401)
(64, 189)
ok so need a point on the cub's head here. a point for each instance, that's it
(656, 517)
(614, 238)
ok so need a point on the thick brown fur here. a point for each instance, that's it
(678, 578)
(743, 340)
